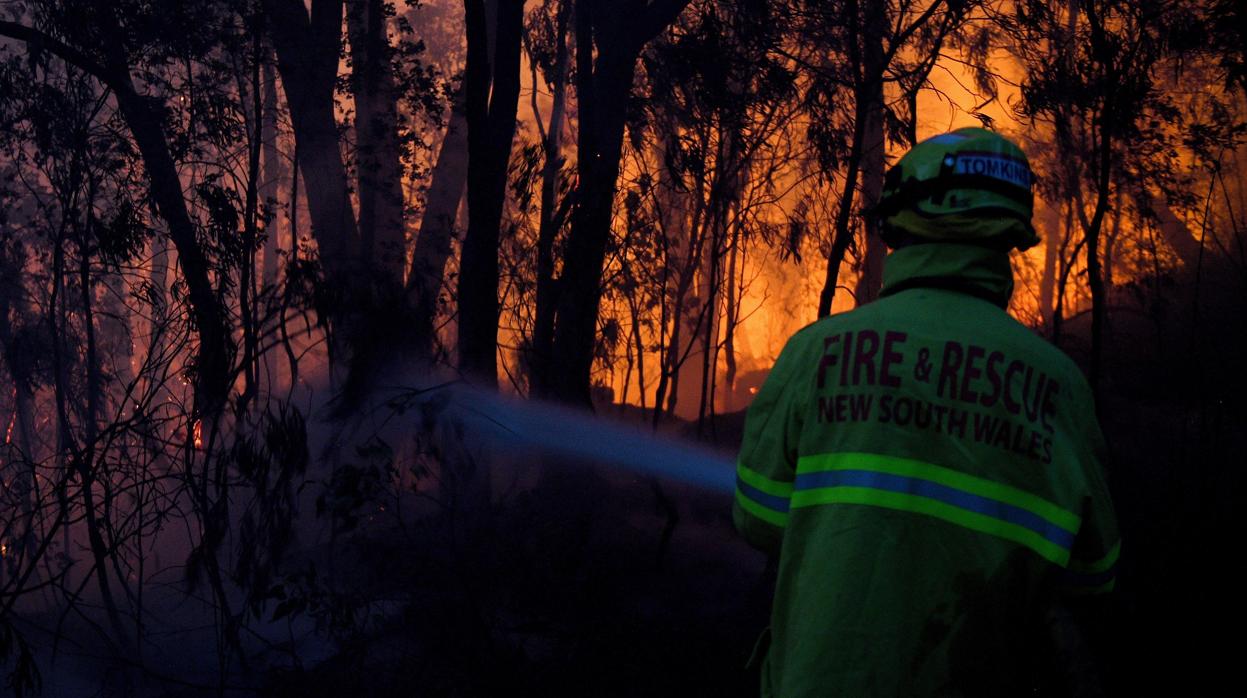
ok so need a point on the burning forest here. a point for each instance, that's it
(404, 347)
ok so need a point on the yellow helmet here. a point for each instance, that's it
(970, 185)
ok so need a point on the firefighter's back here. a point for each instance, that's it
(937, 494)
(927, 468)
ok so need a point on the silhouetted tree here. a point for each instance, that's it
(378, 150)
(554, 58)
(308, 45)
(492, 100)
(610, 35)
(1096, 97)
(873, 45)
(86, 35)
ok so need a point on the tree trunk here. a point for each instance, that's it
(57, 321)
(307, 58)
(618, 31)
(379, 170)
(1064, 266)
(91, 361)
(1051, 217)
(873, 151)
(19, 428)
(844, 233)
(684, 322)
(274, 174)
(724, 194)
(673, 219)
(551, 220)
(1110, 245)
(1095, 275)
(710, 336)
(215, 348)
(441, 209)
(603, 88)
(84, 458)
(437, 226)
(843, 236)
(686, 380)
(1173, 229)
(732, 318)
(639, 349)
(251, 229)
(492, 103)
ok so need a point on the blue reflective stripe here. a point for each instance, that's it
(943, 493)
(770, 501)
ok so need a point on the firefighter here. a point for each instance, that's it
(927, 470)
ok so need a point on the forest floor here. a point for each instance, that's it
(580, 581)
(577, 580)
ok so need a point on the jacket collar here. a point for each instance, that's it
(971, 269)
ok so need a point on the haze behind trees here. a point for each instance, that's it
(222, 221)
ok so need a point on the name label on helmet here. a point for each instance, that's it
(996, 166)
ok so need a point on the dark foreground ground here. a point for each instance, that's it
(587, 584)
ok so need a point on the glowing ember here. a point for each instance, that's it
(8, 433)
(197, 434)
